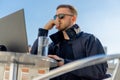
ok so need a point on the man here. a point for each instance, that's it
(70, 44)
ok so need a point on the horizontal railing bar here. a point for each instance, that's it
(78, 64)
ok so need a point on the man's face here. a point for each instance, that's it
(63, 18)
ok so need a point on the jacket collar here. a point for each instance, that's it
(73, 31)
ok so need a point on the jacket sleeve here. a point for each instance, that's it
(92, 46)
(42, 32)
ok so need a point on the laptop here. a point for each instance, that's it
(13, 32)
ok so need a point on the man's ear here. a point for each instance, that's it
(74, 18)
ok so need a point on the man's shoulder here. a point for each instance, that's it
(86, 35)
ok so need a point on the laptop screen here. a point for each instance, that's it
(13, 32)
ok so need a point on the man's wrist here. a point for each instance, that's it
(42, 32)
(60, 60)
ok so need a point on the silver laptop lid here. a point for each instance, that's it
(13, 32)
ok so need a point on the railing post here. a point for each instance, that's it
(116, 73)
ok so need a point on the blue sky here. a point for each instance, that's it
(98, 17)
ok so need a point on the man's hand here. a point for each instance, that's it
(49, 25)
(58, 59)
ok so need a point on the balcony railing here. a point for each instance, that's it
(78, 64)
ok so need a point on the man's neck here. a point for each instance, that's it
(65, 35)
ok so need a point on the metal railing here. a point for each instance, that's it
(78, 64)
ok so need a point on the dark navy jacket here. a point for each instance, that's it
(83, 45)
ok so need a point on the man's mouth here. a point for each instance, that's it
(58, 25)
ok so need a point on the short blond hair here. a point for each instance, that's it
(70, 7)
